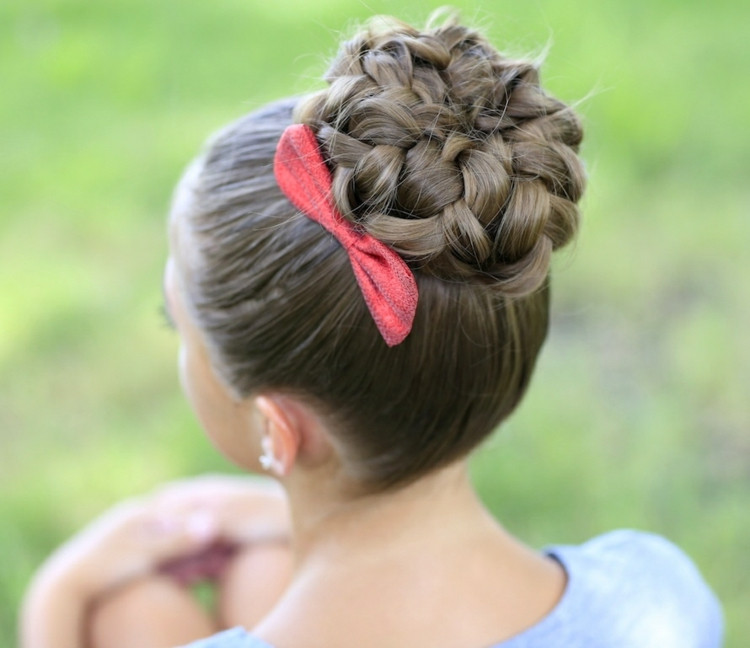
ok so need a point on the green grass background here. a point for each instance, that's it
(638, 416)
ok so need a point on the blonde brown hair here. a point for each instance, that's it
(453, 155)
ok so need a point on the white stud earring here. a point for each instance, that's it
(268, 460)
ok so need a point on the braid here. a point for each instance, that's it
(450, 153)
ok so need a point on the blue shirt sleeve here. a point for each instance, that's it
(637, 589)
(234, 638)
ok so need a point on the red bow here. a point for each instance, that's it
(387, 283)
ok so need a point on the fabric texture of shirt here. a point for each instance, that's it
(625, 589)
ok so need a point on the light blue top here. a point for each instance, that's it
(626, 589)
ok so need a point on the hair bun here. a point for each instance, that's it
(450, 153)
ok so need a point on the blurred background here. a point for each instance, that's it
(638, 415)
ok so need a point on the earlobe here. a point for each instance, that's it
(281, 436)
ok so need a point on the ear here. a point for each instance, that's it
(282, 433)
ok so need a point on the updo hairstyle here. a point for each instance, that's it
(454, 156)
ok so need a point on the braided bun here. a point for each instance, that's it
(450, 153)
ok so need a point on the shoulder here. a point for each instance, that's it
(641, 586)
(234, 638)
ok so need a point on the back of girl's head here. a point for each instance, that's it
(454, 156)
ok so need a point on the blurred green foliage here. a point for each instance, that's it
(638, 416)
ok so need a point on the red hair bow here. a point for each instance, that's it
(386, 282)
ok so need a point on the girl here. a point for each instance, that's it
(360, 284)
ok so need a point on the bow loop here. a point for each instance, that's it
(386, 282)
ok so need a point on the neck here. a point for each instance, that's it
(435, 512)
(431, 548)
